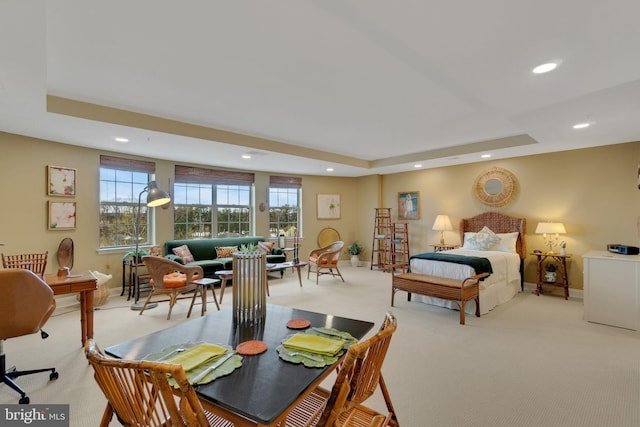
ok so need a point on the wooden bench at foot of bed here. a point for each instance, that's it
(439, 287)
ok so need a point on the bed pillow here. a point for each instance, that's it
(226, 251)
(483, 240)
(184, 253)
(507, 242)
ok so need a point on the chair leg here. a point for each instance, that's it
(339, 274)
(172, 301)
(7, 377)
(146, 302)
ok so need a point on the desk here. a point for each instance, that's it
(265, 388)
(84, 283)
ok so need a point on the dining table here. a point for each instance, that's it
(265, 388)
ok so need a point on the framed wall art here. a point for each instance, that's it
(61, 181)
(62, 215)
(328, 206)
(409, 205)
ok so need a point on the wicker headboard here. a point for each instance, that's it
(498, 223)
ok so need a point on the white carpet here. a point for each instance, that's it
(532, 362)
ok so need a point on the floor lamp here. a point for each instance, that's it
(155, 197)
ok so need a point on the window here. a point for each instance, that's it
(284, 206)
(211, 203)
(121, 181)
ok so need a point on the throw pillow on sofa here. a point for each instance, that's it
(266, 247)
(226, 251)
(184, 253)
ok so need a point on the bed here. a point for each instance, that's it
(506, 256)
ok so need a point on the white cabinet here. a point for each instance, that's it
(612, 289)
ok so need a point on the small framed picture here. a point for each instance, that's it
(409, 205)
(328, 206)
(61, 181)
(62, 215)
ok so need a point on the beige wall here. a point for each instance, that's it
(593, 191)
(23, 228)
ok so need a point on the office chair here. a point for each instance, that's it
(26, 303)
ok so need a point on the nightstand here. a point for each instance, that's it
(439, 247)
(561, 276)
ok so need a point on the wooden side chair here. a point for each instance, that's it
(358, 377)
(325, 260)
(139, 393)
(160, 270)
(34, 262)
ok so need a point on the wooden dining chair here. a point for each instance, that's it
(325, 260)
(34, 262)
(358, 377)
(139, 394)
(160, 268)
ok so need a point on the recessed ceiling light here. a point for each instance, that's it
(545, 68)
(581, 125)
(120, 139)
(486, 156)
(246, 156)
(329, 169)
(417, 166)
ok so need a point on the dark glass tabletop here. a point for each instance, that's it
(265, 386)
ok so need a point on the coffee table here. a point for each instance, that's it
(290, 264)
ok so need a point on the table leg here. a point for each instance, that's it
(83, 317)
(89, 305)
(203, 294)
(222, 286)
(299, 275)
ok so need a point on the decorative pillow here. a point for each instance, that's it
(226, 251)
(507, 242)
(266, 247)
(184, 253)
(483, 240)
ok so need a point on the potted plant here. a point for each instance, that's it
(132, 254)
(550, 272)
(563, 248)
(354, 250)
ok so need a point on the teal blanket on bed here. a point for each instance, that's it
(479, 264)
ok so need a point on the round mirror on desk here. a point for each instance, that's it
(495, 187)
(65, 253)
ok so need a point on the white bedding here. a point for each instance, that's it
(498, 288)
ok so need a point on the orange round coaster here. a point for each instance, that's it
(249, 348)
(298, 324)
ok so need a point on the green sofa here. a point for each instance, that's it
(204, 252)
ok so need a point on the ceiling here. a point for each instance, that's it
(362, 86)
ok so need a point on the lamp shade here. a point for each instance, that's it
(550, 228)
(156, 196)
(442, 223)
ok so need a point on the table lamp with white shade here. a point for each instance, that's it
(442, 224)
(551, 233)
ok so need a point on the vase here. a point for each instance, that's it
(249, 287)
(355, 261)
(563, 252)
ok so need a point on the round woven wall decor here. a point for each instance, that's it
(495, 187)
